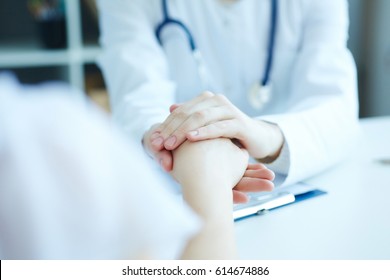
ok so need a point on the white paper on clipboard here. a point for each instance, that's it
(268, 200)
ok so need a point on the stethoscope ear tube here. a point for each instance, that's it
(271, 42)
(260, 93)
(167, 20)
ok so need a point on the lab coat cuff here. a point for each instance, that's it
(281, 164)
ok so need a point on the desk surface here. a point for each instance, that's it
(352, 221)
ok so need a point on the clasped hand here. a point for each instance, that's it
(210, 116)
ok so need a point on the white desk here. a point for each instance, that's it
(352, 221)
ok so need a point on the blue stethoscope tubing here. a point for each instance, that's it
(168, 20)
(271, 42)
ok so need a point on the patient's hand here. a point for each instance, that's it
(224, 162)
(207, 171)
(257, 178)
(218, 161)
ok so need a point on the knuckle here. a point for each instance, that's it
(182, 115)
(200, 115)
(221, 98)
(206, 94)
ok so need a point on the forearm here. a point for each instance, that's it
(216, 238)
(207, 171)
(128, 93)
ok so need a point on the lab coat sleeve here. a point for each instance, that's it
(322, 120)
(134, 64)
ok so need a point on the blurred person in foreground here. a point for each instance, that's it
(72, 187)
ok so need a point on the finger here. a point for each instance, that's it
(152, 133)
(183, 111)
(193, 109)
(165, 159)
(224, 128)
(248, 184)
(174, 107)
(157, 144)
(197, 120)
(240, 197)
(256, 166)
(260, 174)
(184, 114)
(149, 141)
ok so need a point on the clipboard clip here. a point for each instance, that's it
(260, 206)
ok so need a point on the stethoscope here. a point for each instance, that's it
(259, 94)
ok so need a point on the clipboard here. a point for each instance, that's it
(260, 203)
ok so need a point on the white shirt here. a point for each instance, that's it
(71, 186)
(314, 88)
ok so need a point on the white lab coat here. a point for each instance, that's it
(314, 88)
(71, 187)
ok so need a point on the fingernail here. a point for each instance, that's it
(157, 142)
(193, 133)
(171, 141)
(155, 135)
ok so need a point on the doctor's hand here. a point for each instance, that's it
(155, 148)
(210, 116)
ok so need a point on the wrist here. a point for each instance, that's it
(270, 139)
(211, 201)
(276, 141)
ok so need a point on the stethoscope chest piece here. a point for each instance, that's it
(259, 95)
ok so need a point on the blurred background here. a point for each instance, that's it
(42, 40)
